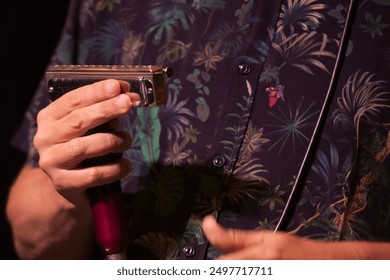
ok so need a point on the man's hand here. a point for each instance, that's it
(62, 144)
(264, 244)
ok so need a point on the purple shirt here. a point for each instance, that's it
(248, 98)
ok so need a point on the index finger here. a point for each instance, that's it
(86, 95)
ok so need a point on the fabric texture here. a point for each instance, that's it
(250, 78)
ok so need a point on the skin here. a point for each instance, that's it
(58, 222)
(58, 217)
(250, 245)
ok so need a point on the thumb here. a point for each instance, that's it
(224, 239)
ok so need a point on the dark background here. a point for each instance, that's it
(29, 32)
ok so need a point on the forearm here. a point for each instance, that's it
(45, 225)
(354, 250)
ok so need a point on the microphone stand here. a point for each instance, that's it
(107, 208)
(108, 220)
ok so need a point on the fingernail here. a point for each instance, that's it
(136, 103)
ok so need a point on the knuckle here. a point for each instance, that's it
(75, 120)
(103, 110)
(92, 175)
(43, 163)
(112, 140)
(46, 162)
(106, 110)
(76, 147)
(41, 115)
(74, 99)
(41, 136)
(118, 141)
(41, 139)
(38, 140)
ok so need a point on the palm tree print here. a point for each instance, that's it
(301, 13)
(362, 96)
(167, 16)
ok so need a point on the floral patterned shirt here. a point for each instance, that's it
(266, 98)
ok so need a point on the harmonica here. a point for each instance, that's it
(106, 207)
(146, 80)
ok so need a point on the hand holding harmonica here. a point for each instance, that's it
(146, 81)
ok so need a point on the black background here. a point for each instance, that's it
(29, 32)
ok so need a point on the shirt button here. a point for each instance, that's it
(188, 251)
(219, 161)
(245, 68)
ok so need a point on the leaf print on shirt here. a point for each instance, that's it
(164, 189)
(337, 13)
(244, 13)
(87, 10)
(209, 56)
(262, 50)
(208, 5)
(369, 177)
(271, 196)
(176, 155)
(302, 50)
(193, 233)
(266, 225)
(362, 96)
(106, 4)
(373, 25)
(199, 78)
(202, 109)
(292, 126)
(108, 42)
(253, 142)
(132, 44)
(231, 145)
(332, 171)
(231, 36)
(327, 229)
(172, 51)
(166, 17)
(300, 12)
(148, 133)
(245, 182)
(175, 116)
(208, 198)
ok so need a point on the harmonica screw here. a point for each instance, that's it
(168, 72)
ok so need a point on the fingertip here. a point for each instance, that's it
(210, 227)
(127, 166)
(135, 99)
(112, 86)
(214, 232)
(125, 86)
(208, 220)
